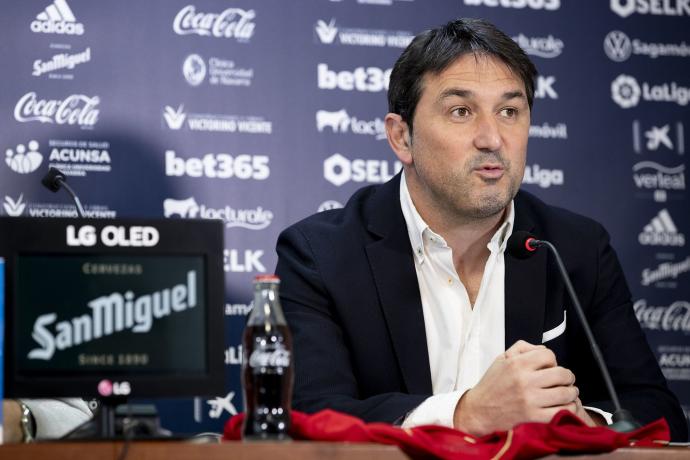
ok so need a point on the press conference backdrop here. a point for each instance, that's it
(263, 112)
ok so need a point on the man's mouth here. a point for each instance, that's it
(490, 171)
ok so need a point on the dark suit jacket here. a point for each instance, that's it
(351, 298)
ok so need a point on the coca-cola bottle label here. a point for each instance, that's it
(273, 357)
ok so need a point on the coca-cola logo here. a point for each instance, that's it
(76, 109)
(231, 23)
(675, 317)
(278, 358)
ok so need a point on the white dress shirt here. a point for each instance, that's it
(462, 340)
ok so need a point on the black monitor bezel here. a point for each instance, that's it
(33, 236)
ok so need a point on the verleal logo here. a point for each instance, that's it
(194, 69)
(57, 18)
(617, 46)
(625, 91)
(14, 208)
(625, 8)
(24, 160)
(187, 208)
(661, 231)
(549, 5)
(326, 31)
(338, 170)
(231, 23)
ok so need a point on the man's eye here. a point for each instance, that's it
(509, 112)
(461, 112)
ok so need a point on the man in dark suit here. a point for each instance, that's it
(405, 307)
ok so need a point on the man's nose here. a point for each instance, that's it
(487, 135)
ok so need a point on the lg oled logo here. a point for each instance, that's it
(339, 170)
(625, 8)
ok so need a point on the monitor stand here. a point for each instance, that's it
(116, 420)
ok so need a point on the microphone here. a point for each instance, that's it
(54, 180)
(522, 245)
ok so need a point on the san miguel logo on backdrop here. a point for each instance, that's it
(661, 231)
(62, 61)
(76, 109)
(57, 18)
(230, 23)
(625, 8)
(665, 274)
(251, 219)
(549, 5)
(627, 92)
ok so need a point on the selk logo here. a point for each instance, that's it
(369, 79)
(174, 117)
(545, 47)
(340, 122)
(57, 18)
(339, 170)
(14, 208)
(549, 5)
(24, 160)
(661, 231)
(247, 262)
(626, 92)
(251, 219)
(542, 177)
(231, 23)
(666, 137)
(545, 87)
(625, 8)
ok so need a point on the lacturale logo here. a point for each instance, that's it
(661, 231)
(57, 18)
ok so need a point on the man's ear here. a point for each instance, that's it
(398, 133)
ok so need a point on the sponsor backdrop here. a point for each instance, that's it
(263, 112)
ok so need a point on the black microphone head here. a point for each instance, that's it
(53, 178)
(517, 244)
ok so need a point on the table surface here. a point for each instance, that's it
(172, 450)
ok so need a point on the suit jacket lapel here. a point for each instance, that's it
(525, 287)
(392, 264)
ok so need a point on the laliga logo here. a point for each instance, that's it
(111, 235)
(108, 388)
(625, 91)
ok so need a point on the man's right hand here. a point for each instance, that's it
(524, 384)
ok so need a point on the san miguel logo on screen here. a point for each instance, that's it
(110, 314)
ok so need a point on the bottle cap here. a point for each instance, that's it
(266, 279)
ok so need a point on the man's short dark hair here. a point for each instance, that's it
(436, 49)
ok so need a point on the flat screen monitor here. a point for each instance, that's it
(126, 308)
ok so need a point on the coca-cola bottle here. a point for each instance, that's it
(266, 365)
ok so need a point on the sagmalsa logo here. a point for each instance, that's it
(57, 18)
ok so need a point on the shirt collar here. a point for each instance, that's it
(417, 228)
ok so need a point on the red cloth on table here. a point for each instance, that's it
(564, 433)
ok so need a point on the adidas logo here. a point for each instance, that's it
(57, 18)
(661, 231)
(14, 208)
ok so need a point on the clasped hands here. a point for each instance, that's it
(523, 384)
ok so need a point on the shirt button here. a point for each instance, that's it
(450, 280)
